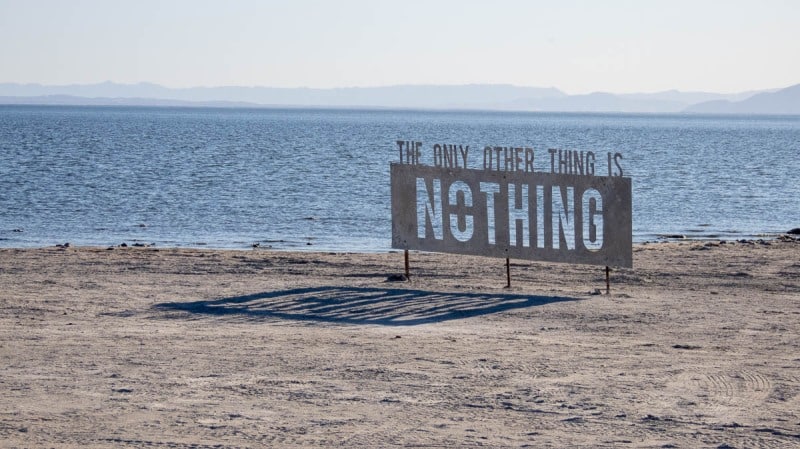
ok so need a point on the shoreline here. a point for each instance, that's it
(696, 346)
(313, 248)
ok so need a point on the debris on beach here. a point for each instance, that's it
(396, 278)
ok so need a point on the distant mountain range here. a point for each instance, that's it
(784, 101)
(471, 97)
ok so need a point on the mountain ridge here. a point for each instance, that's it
(783, 101)
(468, 96)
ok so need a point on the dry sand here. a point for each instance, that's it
(697, 346)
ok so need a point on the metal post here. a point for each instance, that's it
(608, 280)
(408, 274)
(508, 272)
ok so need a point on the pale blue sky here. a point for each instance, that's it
(576, 46)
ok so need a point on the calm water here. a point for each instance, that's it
(227, 178)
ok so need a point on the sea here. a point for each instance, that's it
(318, 179)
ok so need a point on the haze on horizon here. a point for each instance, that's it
(576, 46)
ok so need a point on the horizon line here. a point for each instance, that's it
(394, 86)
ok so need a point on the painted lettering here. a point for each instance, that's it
(429, 208)
(592, 220)
(490, 189)
(461, 233)
(563, 218)
(518, 216)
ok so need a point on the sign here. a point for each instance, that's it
(511, 210)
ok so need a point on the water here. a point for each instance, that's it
(319, 179)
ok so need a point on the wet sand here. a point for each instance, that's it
(697, 346)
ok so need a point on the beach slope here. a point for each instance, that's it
(697, 346)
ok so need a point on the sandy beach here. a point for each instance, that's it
(697, 346)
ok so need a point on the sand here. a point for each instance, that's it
(697, 346)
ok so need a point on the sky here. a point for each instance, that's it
(617, 46)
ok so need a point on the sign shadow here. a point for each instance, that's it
(361, 305)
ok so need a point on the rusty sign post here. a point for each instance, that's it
(511, 211)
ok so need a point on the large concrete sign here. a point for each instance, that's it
(561, 216)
